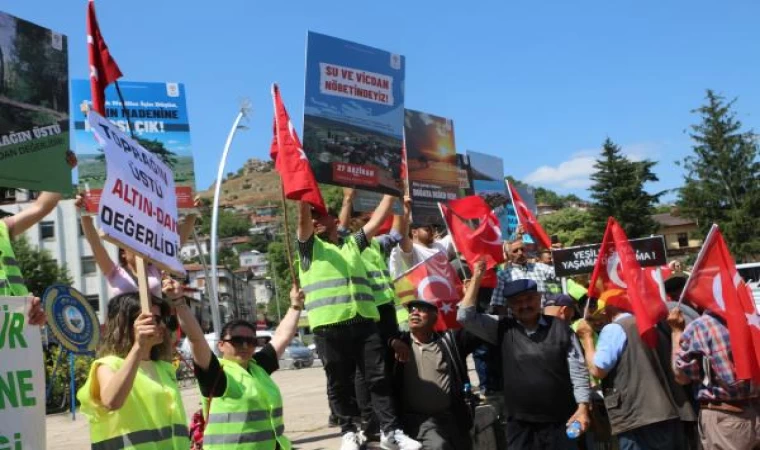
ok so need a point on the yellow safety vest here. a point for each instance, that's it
(249, 414)
(336, 285)
(11, 279)
(378, 274)
(152, 417)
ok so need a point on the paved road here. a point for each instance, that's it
(304, 398)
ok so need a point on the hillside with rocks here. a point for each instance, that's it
(255, 183)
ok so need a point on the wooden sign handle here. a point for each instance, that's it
(142, 285)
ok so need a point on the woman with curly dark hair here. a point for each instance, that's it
(131, 396)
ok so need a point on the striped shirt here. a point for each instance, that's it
(705, 357)
(541, 273)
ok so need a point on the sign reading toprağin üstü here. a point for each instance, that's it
(650, 251)
(138, 209)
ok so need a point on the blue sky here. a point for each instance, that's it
(540, 84)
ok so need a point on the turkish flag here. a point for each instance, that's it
(434, 280)
(527, 219)
(617, 268)
(290, 161)
(715, 285)
(103, 68)
(471, 207)
(482, 242)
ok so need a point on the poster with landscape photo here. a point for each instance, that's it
(432, 164)
(354, 114)
(158, 114)
(34, 107)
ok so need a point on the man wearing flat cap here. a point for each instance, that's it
(561, 306)
(546, 383)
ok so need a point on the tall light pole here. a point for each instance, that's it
(244, 110)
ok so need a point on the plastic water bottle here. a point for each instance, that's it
(574, 430)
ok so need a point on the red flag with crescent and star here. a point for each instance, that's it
(482, 242)
(527, 219)
(436, 281)
(715, 285)
(290, 161)
(103, 68)
(617, 268)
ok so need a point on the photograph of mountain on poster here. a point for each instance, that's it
(34, 107)
(432, 163)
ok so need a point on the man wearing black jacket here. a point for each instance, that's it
(429, 381)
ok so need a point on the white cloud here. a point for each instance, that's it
(575, 172)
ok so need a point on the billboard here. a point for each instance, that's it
(158, 113)
(34, 107)
(465, 176)
(488, 181)
(650, 251)
(432, 164)
(354, 114)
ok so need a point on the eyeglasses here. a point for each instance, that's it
(238, 341)
(421, 308)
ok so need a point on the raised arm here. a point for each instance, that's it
(289, 324)
(186, 228)
(35, 212)
(344, 218)
(99, 252)
(481, 325)
(378, 217)
(198, 345)
(406, 242)
(115, 386)
(305, 225)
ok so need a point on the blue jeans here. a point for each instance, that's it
(479, 355)
(668, 435)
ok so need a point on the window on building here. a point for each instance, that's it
(683, 240)
(88, 265)
(94, 301)
(47, 230)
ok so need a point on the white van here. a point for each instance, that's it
(751, 274)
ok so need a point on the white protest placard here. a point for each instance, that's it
(22, 379)
(138, 207)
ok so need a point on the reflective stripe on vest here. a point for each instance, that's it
(11, 279)
(250, 416)
(340, 282)
(336, 285)
(243, 438)
(141, 437)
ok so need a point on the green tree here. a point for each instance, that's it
(571, 225)
(157, 148)
(39, 268)
(618, 191)
(722, 180)
(230, 224)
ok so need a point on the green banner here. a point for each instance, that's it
(34, 107)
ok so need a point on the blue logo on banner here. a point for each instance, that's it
(71, 319)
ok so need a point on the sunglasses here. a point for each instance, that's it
(238, 341)
(169, 321)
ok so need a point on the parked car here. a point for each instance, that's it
(751, 274)
(296, 356)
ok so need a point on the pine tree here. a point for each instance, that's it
(722, 180)
(618, 191)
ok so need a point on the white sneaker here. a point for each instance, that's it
(398, 440)
(350, 441)
(361, 438)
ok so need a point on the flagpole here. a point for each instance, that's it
(288, 250)
(514, 208)
(700, 256)
(453, 244)
(243, 112)
(124, 110)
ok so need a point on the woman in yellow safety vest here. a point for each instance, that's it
(244, 406)
(131, 396)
